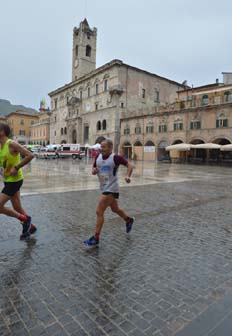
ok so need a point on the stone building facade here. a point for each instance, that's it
(20, 124)
(40, 131)
(93, 103)
(198, 115)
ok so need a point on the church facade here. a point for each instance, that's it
(94, 101)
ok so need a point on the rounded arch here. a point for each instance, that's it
(138, 143)
(63, 142)
(99, 125)
(197, 141)
(88, 51)
(221, 140)
(163, 143)
(177, 141)
(149, 143)
(104, 125)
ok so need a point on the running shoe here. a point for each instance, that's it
(91, 241)
(26, 229)
(33, 229)
(129, 224)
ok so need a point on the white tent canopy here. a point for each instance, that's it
(182, 147)
(226, 148)
(207, 146)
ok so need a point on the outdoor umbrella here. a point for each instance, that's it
(182, 147)
(207, 146)
(226, 148)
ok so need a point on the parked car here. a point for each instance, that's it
(48, 152)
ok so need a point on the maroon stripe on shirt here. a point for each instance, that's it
(118, 160)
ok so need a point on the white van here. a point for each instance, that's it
(75, 151)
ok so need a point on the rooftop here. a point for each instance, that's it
(107, 66)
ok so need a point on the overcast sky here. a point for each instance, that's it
(178, 39)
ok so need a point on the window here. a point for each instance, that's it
(195, 124)
(157, 96)
(150, 129)
(32, 122)
(104, 125)
(127, 130)
(55, 133)
(81, 94)
(67, 99)
(62, 131)
(55, 118)
(97, 88)
(96, 106)
(76, 51)
(143, 93)
(21, 122)
(88, 35)
(122, 105)
(55, 103)
(205, 100)
(88, 51)
(178, 126)
(163, 128)
(22, 132)
(86, 133)
(138, 130)
(98, 125)
(88, 92)
(65, 130)
(105, 85)
(227, 96)
(221, 122)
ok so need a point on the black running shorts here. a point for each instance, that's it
(115, 195)
(11, 188)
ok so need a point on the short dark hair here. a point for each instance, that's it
(100, 139)
(6, 129)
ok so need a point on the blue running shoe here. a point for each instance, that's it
(91, 241)
(129, 224)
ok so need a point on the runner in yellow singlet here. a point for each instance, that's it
(12, 176)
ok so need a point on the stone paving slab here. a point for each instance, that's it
(176, 264)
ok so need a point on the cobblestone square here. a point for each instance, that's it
(174, 267)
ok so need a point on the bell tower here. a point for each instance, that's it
(84, 50)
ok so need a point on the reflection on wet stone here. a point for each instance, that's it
(155, 283)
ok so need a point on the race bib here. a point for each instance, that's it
(104, 175)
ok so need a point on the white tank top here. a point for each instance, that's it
(107, 174)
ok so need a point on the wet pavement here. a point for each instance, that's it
(171, 276)
(44, 176)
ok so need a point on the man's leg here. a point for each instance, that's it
(8, 211)
(17, 205)
(104, 203)
(120, 212)
(129, 220)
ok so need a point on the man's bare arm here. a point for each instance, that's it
(28, 156)
(130, 169)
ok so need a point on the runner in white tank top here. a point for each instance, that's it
(106, 167)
